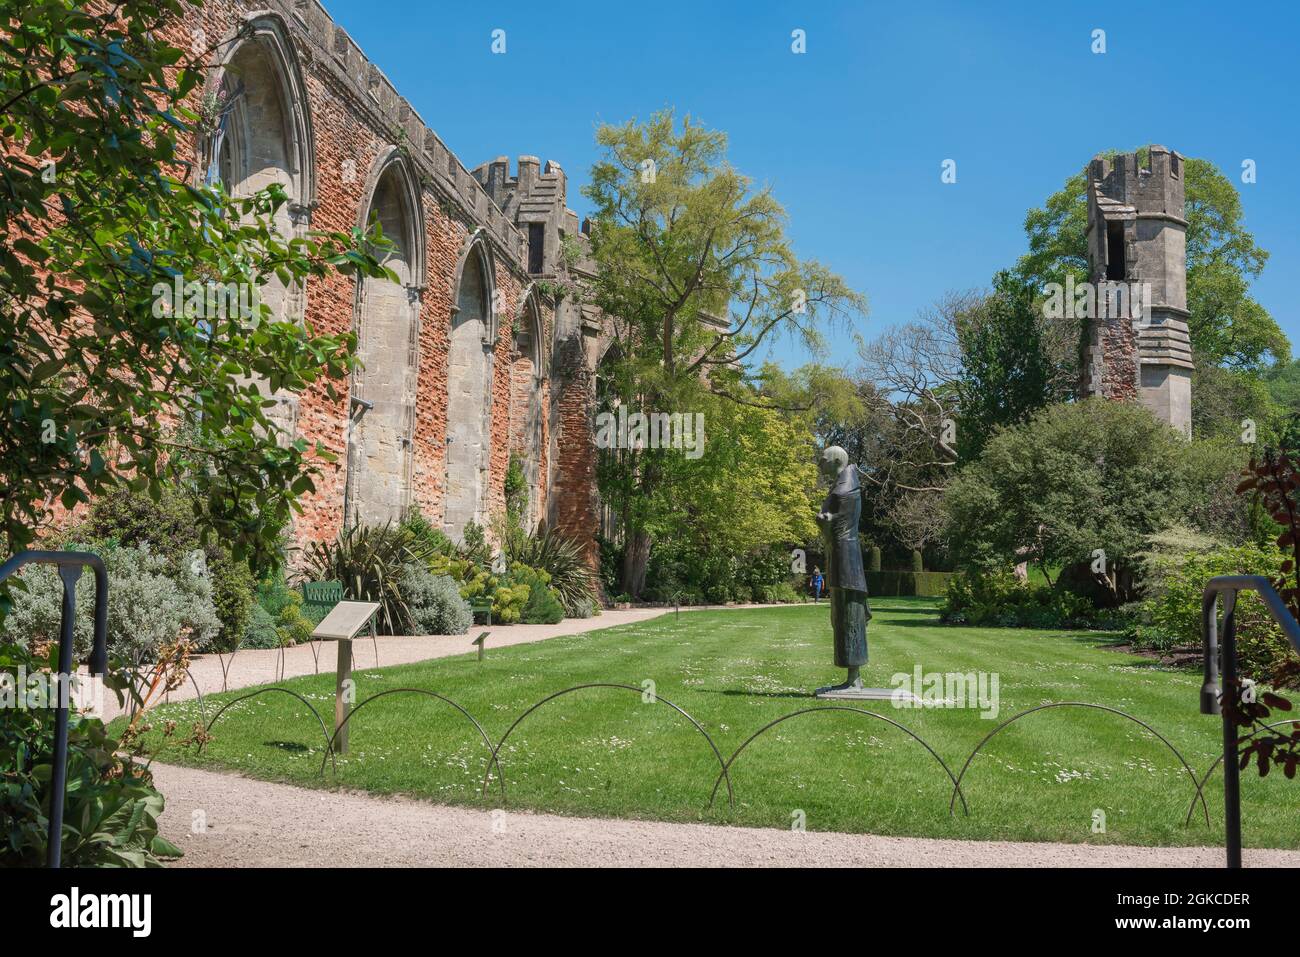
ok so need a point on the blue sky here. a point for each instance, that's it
(851, 135)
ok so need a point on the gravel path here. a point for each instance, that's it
(253, 823)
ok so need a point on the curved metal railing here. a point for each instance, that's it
(69, 565)
(1212, 688)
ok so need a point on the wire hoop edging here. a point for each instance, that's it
(492, 758)
(731, 798)
(1219, 759)
(871, 714)
(1099, 707)
(253, 694)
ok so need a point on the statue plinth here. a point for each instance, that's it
(835, 693)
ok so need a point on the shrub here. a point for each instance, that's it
(561, 558)
(783, 593)
(232, 596)
(261, 631)
(426, 535)
(111, 811)
(542, 607)
(474, 547)
(611, 564)
(291, 624)
(150, 604)
(928, 584)
(1170, 614)
(435, 602)
(715, 576)
(508, 599)
(133, 518)
(587, 609)
(170, 529)
(1076, 477)
(368, 560)
(1000, 599)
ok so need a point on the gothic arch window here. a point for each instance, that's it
(258, 122)
(469, 388)
(258, 133)
(527, 375)
(381, 423)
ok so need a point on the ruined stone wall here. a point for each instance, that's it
(352, 144)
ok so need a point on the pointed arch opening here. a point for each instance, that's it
(469, 389)
(527, 382)
(258, 134)
(607, 459)
(382, 407)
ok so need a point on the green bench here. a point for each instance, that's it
(482, 606)
(319, 598)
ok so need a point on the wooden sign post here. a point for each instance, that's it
(342, 624)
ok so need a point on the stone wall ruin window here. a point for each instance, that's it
(469, 383)
(536, 247)
(1115, 268)
(526, 383)
(260, 135)
(382, 426)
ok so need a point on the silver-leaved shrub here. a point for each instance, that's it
(151, 603)
(434, 602)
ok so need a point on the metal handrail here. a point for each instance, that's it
(69, 565)
(1211, 687)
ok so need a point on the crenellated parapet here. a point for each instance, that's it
(328, 44)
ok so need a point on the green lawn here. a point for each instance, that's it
(606, 752)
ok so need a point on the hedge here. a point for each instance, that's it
(891, 584)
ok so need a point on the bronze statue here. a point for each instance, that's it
(846, 580)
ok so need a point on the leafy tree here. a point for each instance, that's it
(1223, 401)
(1283, 383)
(753, 486)
(1073, 479)
(104, 382)
(911, 387)
(1006, 371)
(1227, 326)
(696, 274)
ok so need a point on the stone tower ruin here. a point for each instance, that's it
(1137, 346)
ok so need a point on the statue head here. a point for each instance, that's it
(831, 461)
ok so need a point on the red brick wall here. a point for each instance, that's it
(347, 124)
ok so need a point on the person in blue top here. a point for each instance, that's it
(817, 583)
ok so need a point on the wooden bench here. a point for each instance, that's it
(482, 606)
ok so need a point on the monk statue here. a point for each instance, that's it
(846, 580)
